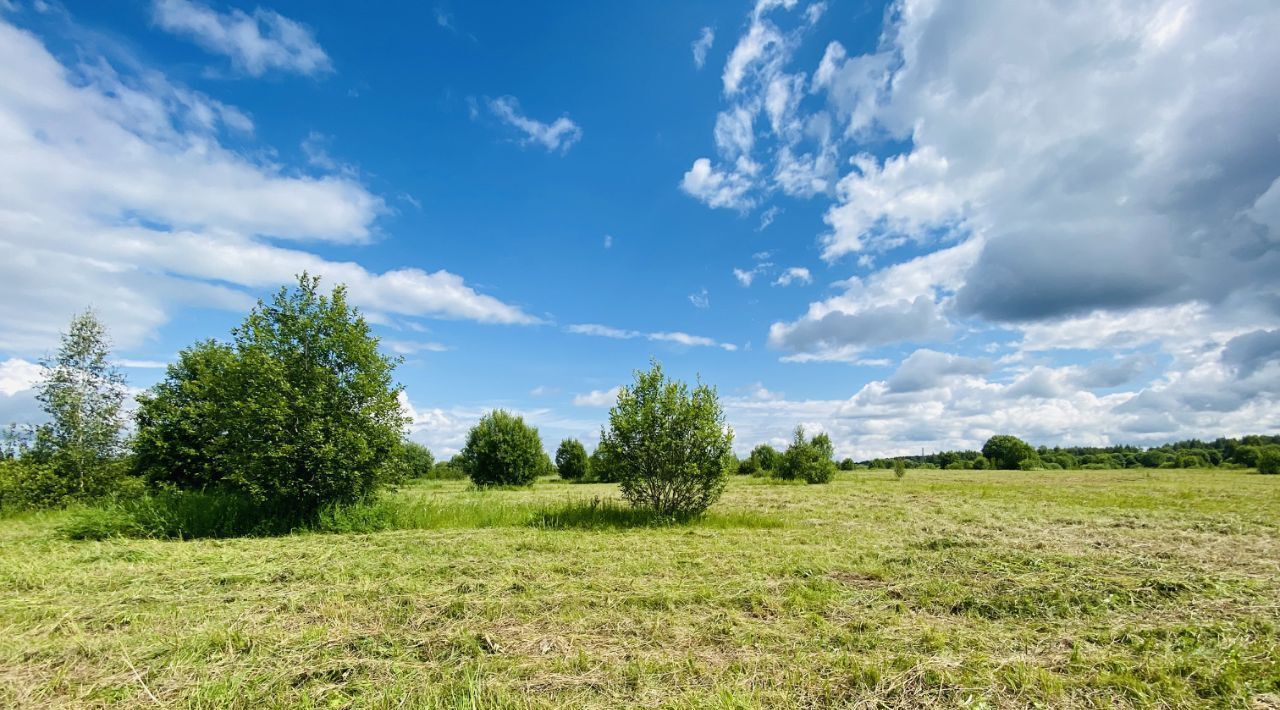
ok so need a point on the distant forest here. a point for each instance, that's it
(1243, 452)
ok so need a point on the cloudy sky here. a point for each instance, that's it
(911, 225)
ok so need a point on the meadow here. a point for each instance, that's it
(1148, 588)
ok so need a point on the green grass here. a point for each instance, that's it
(947, 588)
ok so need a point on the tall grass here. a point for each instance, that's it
(186, 515)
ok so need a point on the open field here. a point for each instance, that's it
(1069, 588)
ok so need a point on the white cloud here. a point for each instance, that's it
(700, 299)
(17, 375)
(412, 347)
(717, 188)
(906, 301)
(767, 217)
(559, 135)
(677, 337)
(794, 274)
(701, 45)
(608, 241)
(116, 191)
(597, 398)
(256, 44)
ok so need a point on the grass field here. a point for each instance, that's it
(956, 588)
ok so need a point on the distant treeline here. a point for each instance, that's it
(1244, 452)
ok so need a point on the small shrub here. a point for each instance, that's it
(899, 469)
(571, 460)
(416, 460)
(1269, 460)
(748, 467)
(848, 465)
(601, 468)
(766, 458)
(503, 451)
(1030, 463)
(450, 470)
(808, 460)
(668, 445)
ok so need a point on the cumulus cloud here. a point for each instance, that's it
(700, 299)
(925, 369)
(1248, 353)
(256, 43)
(717, 188)
(117, 191)
(597, 398)
(559, 135)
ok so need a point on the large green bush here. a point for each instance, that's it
(571, 460)
(1007, 452)
(297, 413)
(668, 445)
(502, 450)
(1269, 460)
(808, 459)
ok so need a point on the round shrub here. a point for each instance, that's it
(667, 445)
(808, 460)
(766, 458)
(503, 451)
(416, 460)
(571, 460)
(1269, 460)
(1007, 452)
(748, 467)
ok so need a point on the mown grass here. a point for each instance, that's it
(956, 588)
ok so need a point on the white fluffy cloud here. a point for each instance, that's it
(256, 43)
(597, 398)
(559, 135)
(117, 191)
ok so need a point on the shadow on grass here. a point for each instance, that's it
(191, 515)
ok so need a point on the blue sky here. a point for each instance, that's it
(908, 224)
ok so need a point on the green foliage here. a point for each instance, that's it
(602, 468)
(502, 450)
(82, 393)
(748, 467)
(450, 470)
(899, 469)
(668, 444)
(808, 460)
(1269, 460)
(848, 465)
(27, 483)
(416, 460)
(572, 462)
(766, 458)
(298, 413)
(1007, 452)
